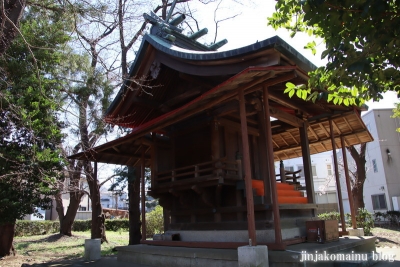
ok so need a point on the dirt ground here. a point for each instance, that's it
(387, 236)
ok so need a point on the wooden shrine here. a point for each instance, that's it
(212, 125)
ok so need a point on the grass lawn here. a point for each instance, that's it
(45, 248)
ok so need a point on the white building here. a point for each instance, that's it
(322, 170)
(382, 185)
(114, 200)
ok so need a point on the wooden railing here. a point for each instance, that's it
(217, 168)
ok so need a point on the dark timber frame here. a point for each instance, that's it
(206, 131)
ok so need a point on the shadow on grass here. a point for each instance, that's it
(48, 253)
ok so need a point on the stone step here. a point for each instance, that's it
(292, 257)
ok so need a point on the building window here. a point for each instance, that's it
(379, 202)
(314, 170)
(82, 208)
(289, 168)
(329, 168)
(374, 165)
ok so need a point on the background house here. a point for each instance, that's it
(382, 186)
(323, 178)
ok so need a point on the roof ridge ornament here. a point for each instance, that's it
(168, 30)
(171, 9)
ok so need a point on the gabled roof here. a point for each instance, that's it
(174, 65)
(175, 78)
(286, 139)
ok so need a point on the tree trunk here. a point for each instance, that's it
(6, 239)
(357, 189)
(67, 220)
(98, 228)
(358, 197)
(134, 210)
(59, 208)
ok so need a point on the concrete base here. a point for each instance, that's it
(255, 256)
(178, 256)
(263, 236)
(199, 257)
(92, 249)
(355, 232)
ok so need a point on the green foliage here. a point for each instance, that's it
(390, 216)
(30, 130)
(28, 228)
(116, 225)
(82, 225)
(362, 45)
(111, 225)
(155, 221)
(333, 215)
(364, 220)
(396, 113)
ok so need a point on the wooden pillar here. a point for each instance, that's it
(282, 172)
(339, 190)
(346, 173)
(154, 158)
(215, 147)
(247, 170)
(134, 202)
(95, 212)
(264, 158)
(256, 157)
(143, 193)
(271, 167)
(305, 152)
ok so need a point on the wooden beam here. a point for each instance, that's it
(339, 190)
(322, 144)
(237, 126)
(305, 151)
(291, 135)
(136, 156)
(336, 127)
(271, 167)
(197, 80)
(275, 143)
(188, 94)
(283, 139)
(348, 124)
(285, 117)
(143, 195)
(349, 193)
(226, 109)
(317, 142)
(247, 170)
(314, 133)
(324, 130)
